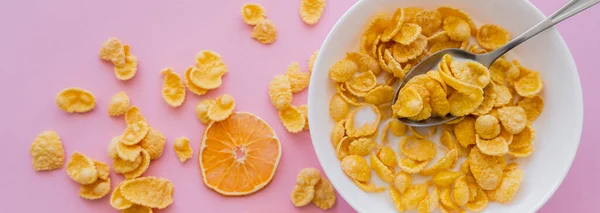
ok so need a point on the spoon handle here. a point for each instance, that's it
(571, 8)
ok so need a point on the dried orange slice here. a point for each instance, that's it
(239, 155)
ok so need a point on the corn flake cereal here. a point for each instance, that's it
(411, 166)
(446, 162)
(486, 169)
(342, 147)
(292, 119)
(182, 148)
(96, 190)
(137, 209)
(509, 186)
(379, 95)
(361, 146)
(487, 127)
(408, 33)
(446, 199)
(81, 169)
(265, 32)
(471, 72)
(413, 196)
(503, 95)
(513, 118)
(324, 194)
(387, 156)
(126, 71)
(403, 53)
(75, 99)
(492, 36)
(154, 143)
(112, 147)
(133, 115)
(119, 104)
(47, 152)
(298, 80)
(465, 131)
(338, 132)
(461, 191)
(445, 178)
(385, 173)
(151, 192)
(409, 103)
(480, 201)
(202, 110)
(457, 28)
(311, 10)
(117, 200)
(103, 170)
(222, 108)
(311, 61)
(396, 198)
(280, 92)
(190, 85)
(304, 110)
(308, 177)
(363, 82)
(394, 26)
(429, 203)
(128, 152)
(145, 163)
(356, 167)
(441, 41)
(533, 107)
(523, 139)
(112, 50)
(253, 13)
(173, 90)
(365, 62)
(368, 187)
(302, 195)
(365, 129)
(122, 166)
(430, 21)
(134, 133)
(529, 85)
(402, 181)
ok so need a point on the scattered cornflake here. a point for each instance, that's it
(75, 99)
(47, 152)
(311, 10)
(222, 108)
(119, 104)
(253, 13)
(151, 192)
(182, 148)
(265, 31)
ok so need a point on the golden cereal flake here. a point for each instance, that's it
(499, 69)
(445, 178)
(480, 201)
(408, 33)
(324, 194)
(403, 53)
(81, 169)
(503, 95)
(397, 199)
(222, 109)
(311, 11)
(117, 200)
(298, 80)
(450, 11)
(487, 127)
(402, 181)
(292, 119)
(103, 170)
(304, 110)
(342, 147)
(441, 41)
(411, 166)
(465, 131)
(409, 103)
(112, 50)
(96, 190)
(491, 36)
(75, 99)
(122, 166)
(133, 115)
(154, 143)
(513, 118)
(128, 152)
(210, 69)
(361, 146)
(137, 209)
(338, 108)
(152, 192)
(338, 132)
(446, 199)
(202, 110)
(112, 147)
(523, 139)
(385, 173)
(182, 148)
(47, 152)
(134, 133)
(529, 85)
(190, 85)
(311, 61)
(417, 149)
(489, 96)
(365, 62)
(366, 128)
(302, 195)
(387, 156)
(429, 203)
(127, 70)
(119, 104)
(457, 28)
(509, 186)
(356, 167)
(141, 168)
(280, 92)
(368, 187)
(362, 82)
(429, 20)
(533, 107)
(265, 32)
(173, 91)
(397, 128)
(413, 196)
(379, 95)
(446, 162)
(253, 13)
(486, 169)
(461, 191)
(471, 72)
(308, 177)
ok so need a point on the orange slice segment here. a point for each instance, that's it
(239, 155)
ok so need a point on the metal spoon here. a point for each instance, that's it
(571, 8)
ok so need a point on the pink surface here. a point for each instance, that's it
(50, 45)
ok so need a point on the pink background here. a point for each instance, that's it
(50, 45)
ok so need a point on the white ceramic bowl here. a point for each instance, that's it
(558, 129)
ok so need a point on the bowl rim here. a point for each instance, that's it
(578, 115)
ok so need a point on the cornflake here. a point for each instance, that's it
(75, 100)
(222, 108)
(96, 190)
(292, 119)
(82, 169)
(182, 148)
(151, 192)
(119, 104)
(338, 108)
(280, 92)
(126, 71)
(210, 69)
(311, 10)
(265, 31)
(47, 152)
(298, 80)
(253, 13)
(324, 194)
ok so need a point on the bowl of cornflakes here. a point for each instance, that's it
(519, 120)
